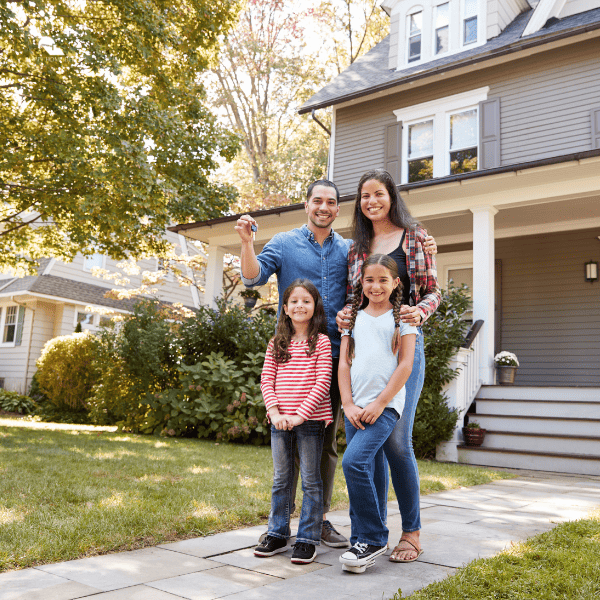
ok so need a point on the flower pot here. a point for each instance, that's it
(473, 437)
(250, 302)
(506, 375)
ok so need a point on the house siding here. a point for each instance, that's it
(545, 104)
(550, 315)
(14, 358)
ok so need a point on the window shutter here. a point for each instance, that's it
(393, 150)
(595, 128)
(489, 134)
(20, 321)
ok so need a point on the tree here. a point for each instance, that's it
(263, 73)
(106, 138)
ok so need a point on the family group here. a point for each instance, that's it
(348, 340)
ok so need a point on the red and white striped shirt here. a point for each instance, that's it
(301, 385)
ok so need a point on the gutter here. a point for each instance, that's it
(511, 49)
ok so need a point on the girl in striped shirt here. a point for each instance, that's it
(295, 385)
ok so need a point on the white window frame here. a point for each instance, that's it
(434, 28)
(169, 275)
(88, 269)
(440, 110)
(413, 11)
(3, 315)
(448, 150)
(84, 325)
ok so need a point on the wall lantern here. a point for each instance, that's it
(591, 271)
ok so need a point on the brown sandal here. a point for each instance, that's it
(397, 549)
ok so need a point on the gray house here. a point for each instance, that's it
(487, 112)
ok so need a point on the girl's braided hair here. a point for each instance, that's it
(285, 327)
(357, 301)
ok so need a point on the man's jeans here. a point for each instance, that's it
(399, 449)
(366, 477)
(308, 439)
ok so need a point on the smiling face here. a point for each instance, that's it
(375, 200)
(378, 284)
(322, 207)
(300, 306)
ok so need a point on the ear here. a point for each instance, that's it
(396, 282)
(285, 309)
(306, 207)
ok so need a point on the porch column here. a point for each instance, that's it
(214, 275)
(483, 286)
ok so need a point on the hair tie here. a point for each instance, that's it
(396, 324)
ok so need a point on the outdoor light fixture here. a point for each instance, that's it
(591, 271)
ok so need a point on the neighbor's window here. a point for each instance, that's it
(469, 22)
(89, 262)
(442, 20)
(420, 151)
(463, 141)
(414, 26)
(10, 325)
(85, 318)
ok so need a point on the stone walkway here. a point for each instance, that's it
(458, 527)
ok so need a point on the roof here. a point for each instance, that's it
(370, 73)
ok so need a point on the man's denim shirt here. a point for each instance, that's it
(296, 254)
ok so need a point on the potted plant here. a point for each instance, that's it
(250, 297)
(506, 367)
(473, 434)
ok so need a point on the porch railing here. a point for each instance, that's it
(462, 390)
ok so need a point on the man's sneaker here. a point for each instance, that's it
(304, 553)
(361, 556)
(331, 537)
(270, 545)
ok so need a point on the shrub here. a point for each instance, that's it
(67, 370)
(15, 402)
(214, 399)
(444, 332)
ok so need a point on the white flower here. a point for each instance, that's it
(506, 359)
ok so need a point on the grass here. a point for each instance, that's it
(555, 565)
(69, 491)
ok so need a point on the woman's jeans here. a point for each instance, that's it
(308, 438)
(366, 478)
(399, 449)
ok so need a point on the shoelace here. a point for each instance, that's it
(360, 546)
(328, 526)
(301, 546)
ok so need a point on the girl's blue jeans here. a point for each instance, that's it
(308, 438)
(399, 448)
(366, 478)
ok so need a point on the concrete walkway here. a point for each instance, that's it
(458, 527)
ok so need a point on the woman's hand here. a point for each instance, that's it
(371, 412)
(354, 415)
(294, 421)
(410, 315)
(430, 246)
(342, 319)
(280, 422)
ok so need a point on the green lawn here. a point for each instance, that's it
(79, 491)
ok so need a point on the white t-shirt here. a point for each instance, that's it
(374, 364)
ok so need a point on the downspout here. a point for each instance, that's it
(312, 114)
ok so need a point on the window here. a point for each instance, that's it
(420, 151)
(413, 26)
(85, 318)
(442, 30)
(89, 262)
(463, 141)
(9, 328)
(165, 266)
(469, 25)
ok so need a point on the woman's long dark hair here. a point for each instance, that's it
(285, 327)
(399, 215)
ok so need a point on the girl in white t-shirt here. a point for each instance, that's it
(376, 359)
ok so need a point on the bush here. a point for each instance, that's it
(216, 399)
(16, 403)
(67, 370)
(444, 332)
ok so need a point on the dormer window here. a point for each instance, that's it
(414, 26)
(469, 22)
(442, 33)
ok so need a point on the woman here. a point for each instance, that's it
(382, 224)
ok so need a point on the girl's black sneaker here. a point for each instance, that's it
(270, 545)
(304, 553)
(361, 556)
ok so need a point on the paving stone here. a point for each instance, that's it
(468, 530)
(448, 513)
(137, 592)
(250, 579)
(449, 551)
(341, 519)
(198, 586)
(126, 569)
(33, 584)
(217, 544)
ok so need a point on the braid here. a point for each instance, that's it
(356, 302)
(396, 300)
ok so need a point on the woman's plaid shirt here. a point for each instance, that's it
(424, 289)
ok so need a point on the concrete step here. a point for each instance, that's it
(537, 442)
(539, 408)
(536, 461)
(519, 392)
(544, 425)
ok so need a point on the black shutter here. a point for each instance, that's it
(595, 128)
(393, 150)
(489, 134)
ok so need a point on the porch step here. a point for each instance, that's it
(525, 424)
(536, 461)
(544, 442)
(539, 408)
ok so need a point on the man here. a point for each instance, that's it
(315, 252)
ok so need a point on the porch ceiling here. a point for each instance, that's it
(555, 197)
